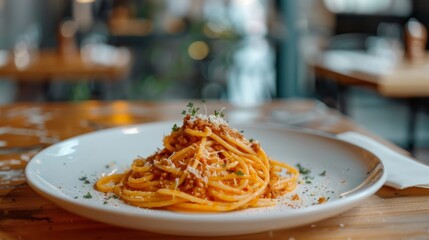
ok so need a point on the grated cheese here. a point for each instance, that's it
(210, 118)
(194, 171)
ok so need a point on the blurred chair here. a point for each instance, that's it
(329, 92)
(361, 46)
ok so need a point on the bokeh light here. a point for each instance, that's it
(198, 50)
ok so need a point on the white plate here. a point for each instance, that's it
(59, 173)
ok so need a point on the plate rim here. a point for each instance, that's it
(353, 199)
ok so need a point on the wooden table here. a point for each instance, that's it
(389, 214)
(46, 66)
(404, 80)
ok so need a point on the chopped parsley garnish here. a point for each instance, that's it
(305, 173)
(302, 170)
(192, 110)
(251, 140)
(307, 180)
(84, 180)
(239, 173)
(219, 114)
(322, 174)
(175, 128)
(87, 195)
(107, 198)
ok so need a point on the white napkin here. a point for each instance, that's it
(402, 171)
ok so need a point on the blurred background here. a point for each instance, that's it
(242, 51)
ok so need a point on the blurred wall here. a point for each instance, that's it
(17, 18)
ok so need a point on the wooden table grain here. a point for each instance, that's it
(26, 128)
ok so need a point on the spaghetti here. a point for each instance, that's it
(204, 166)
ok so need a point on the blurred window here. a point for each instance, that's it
(368, 7)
